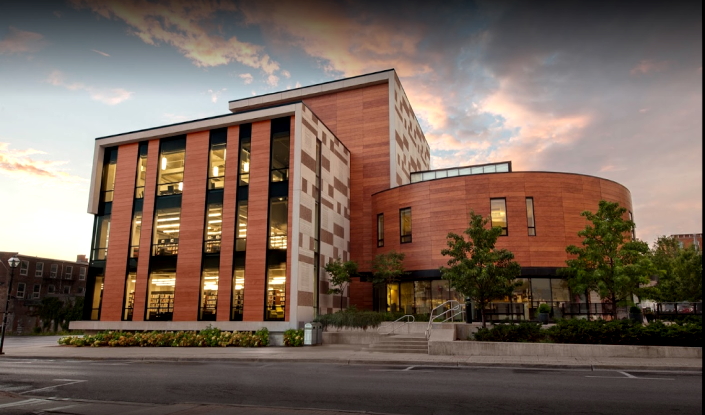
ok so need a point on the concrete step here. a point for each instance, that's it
(400, 344)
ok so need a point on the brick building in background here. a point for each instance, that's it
(232, 218)
(35, 279)
(686, 240)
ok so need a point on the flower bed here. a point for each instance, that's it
(209, 337)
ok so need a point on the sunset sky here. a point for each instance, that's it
(605, 88)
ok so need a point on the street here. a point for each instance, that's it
(374, 388)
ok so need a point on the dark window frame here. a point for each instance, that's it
(380, 230)
(505, 229)
(405, 238)
(531, 220)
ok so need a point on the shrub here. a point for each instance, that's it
(208, 337)
(522, 332)
(294, 338)
(634, 310)
(544, 308)
(351, 318)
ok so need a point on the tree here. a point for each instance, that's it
(387, 268)
(475, 268)
(680, 272)
(609, 261)
(341, 274)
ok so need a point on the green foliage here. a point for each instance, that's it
(352, 318)
(209, 337)
(475, 268)
(544, 308)
(54, 313)
(680, 272)
(619, 332)
(341, 274)
(634, 310)
(609, 261)
(522, 332)
(387, 268)
(294, 338)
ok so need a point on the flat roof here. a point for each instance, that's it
(298, 94)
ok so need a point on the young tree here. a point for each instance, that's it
(341, 274)
(387, 268)
(475, 268)
(609, 261)
(680, 272)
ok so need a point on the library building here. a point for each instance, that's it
(231, 219)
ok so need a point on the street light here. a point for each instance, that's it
(14, 262)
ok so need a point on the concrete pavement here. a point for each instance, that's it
(46, 347)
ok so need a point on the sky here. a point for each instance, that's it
(605, 88)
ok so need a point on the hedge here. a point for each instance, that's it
(209, 337)
(619, 332)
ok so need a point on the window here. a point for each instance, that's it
(278, 222)
(68, 271)
(380, 230)
(97, 299)
(129, 304)
(39, 269)
(141, 171)
(216, 166)
(80, 290)
(241, 230)
(135, 235)
(280, 149)
(213, 229)
(160, 299)
(209, 294)
(238, 297)
(67, 289)
(54, 270)
(21, 287)
(276, 291)
(405, 225)
(82, 274)
(166, 231)
(498, 212)
(245, 147)
(24, 268)
(51, 289)
(102, 233)
(171, 167)
(631, 219)
(36, 291)
(108, 179)
(530, 223)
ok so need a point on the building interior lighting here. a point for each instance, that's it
(246, 167)
(163, 163)
(215, 171)
(181, 186)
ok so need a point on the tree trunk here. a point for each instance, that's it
(614, 307)
(484, 324)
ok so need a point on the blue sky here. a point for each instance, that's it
(611, 89)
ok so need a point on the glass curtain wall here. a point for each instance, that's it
(97, 299)
(216, 166)
(102, 235)
(238, 297)
(108, 180)
(214, 228)
(129, 304)
(141, 171)
(172, 157)
(167, 222)
(135, 235)
(209, 294)
(160, 296)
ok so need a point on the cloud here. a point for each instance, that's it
(647, 66)
(101, 53)
(247, 78)
(20, 41)
(109, 96)
(24, 164)
(215, 94)
(175, 118)
(188, 27)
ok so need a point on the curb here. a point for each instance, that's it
(547, 366)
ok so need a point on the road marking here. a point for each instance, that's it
(58, 407)
(628, 376)
(68, 382)
(23, 403)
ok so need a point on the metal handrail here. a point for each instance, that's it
(409, 319)
(457, 308)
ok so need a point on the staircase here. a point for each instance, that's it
(400, 343)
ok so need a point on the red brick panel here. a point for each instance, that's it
(227, 239)
(193, 202)
(258, 207)
(120, 225)
(150, 189)
(442, 206)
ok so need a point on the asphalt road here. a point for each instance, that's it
(380, 389)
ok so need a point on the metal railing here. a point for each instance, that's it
(396, 324)
(452, 309)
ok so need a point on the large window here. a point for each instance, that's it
(280, 157)
(21, 288)
(82, 273)
(216, 166)
(498, 213)
(97, 297)
(39, 269)
(209, 294)
(530, 222)
(278, 222)
(213, 229)
(160, 297)
(276, 291)
(245, 148)
(102, 234)
(241, 229)
(380, 230)
(108, 179)
(129, 304)
(166, 231)
(36, 291)
(68, 271)
(141, 171)
(171, 167)
(237, 305)
(54, 270)
(405, 225)
(135, 235)
(24, 268)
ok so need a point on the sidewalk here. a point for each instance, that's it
(47, 348)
